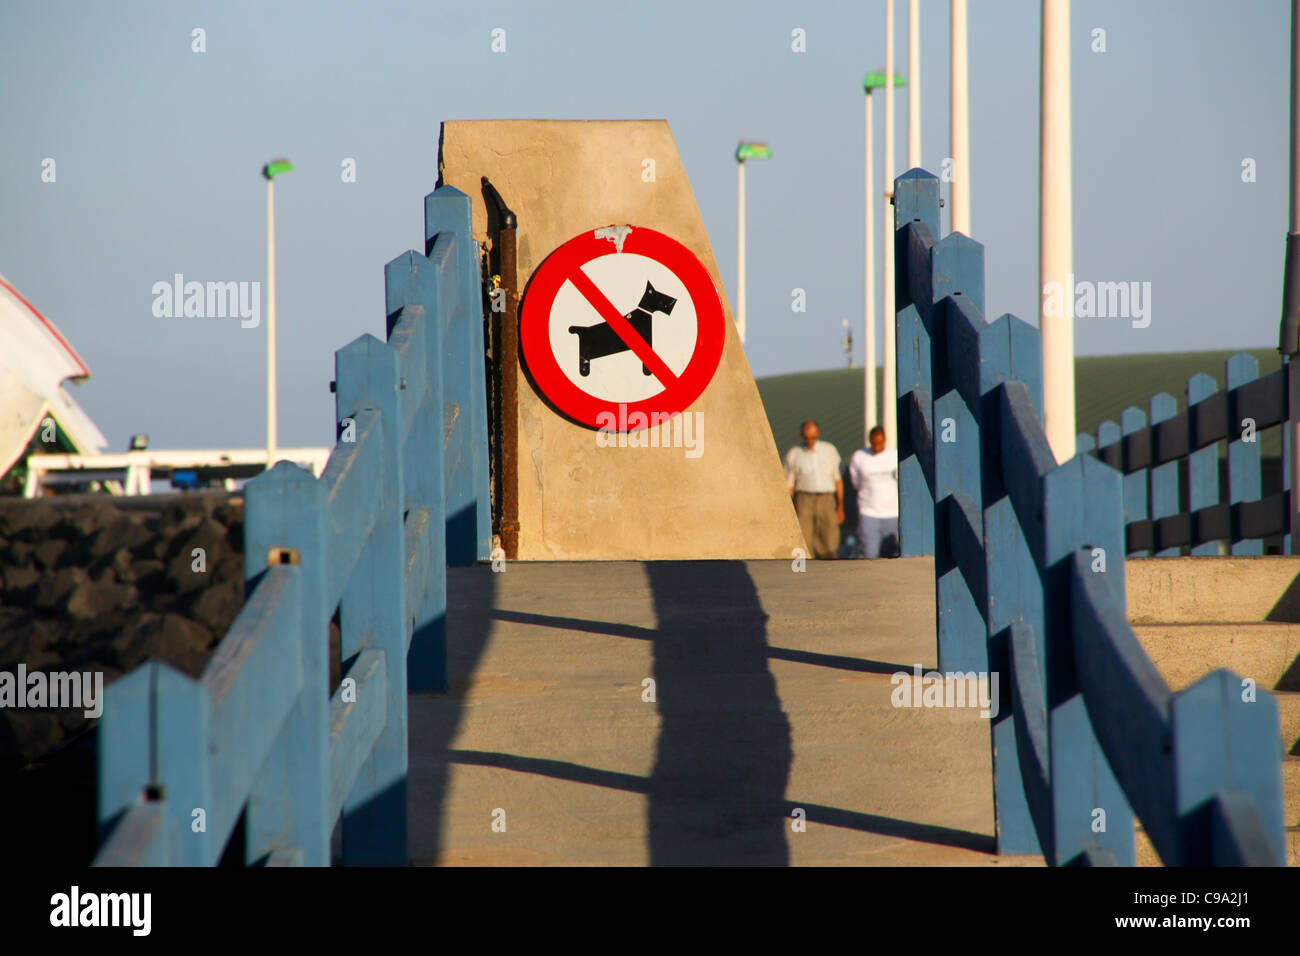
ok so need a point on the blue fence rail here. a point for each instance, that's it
(1172, 495)
(405, 492)
(1029, 580)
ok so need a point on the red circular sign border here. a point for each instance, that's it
(534, 334)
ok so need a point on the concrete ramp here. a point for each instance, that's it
(718, 713)
(771, 694)
(605, 211)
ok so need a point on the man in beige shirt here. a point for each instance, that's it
(812, 475)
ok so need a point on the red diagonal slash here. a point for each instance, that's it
(622, 327)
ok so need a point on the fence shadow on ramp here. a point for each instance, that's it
(716, 791)
(723, 759)
(469, 604)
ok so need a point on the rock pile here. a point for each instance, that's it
(101, 588)
(102, 585)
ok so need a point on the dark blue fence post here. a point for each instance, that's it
(1164, 478)
(373, 613)
(1224, 747)
(1014, 534)
(916, 200)
(412, 285)
(1080, 512)
(469, 519)
(1202, 464)
(288, 805)
(1132, 421)
(1008, 350)
(1107, 433)
(1243, 456)
(957, 266)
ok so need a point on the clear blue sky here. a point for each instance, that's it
(158, 153)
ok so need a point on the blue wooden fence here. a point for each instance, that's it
(1180, 450)
(1029, 580)
(405, 492)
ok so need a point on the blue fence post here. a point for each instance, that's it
(152, 748)
(1224, 744)
(412, 284)
(372, 610)
(469, 519)
(1009, 350)
(288, 804)
(1203, 463)
(1131, 421)
(1084, 443)
(1107, 433)
(916, 199)
(1014, 535)
(1081, 511)
(958, 265)
(1164, 478)
(1244, 482)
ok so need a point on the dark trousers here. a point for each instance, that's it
(821, 532)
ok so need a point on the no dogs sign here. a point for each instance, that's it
(621, 316)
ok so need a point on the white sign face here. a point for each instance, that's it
(654, 301)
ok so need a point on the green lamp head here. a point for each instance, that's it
(275, 167)
(874, 81)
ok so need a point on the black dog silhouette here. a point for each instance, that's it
(597, 341)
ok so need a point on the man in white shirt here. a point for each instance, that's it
(874, 473)
(812, 476)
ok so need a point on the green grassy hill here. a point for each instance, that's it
(1104, 387)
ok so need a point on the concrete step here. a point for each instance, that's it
(1190, 590)
(1146, 853)
(1183, 653)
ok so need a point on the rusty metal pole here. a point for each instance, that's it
(510, 397)
(505, 353)
(1289, 343)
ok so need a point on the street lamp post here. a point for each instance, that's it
(914, 91)
(270, 171)
(889, 405)
(744, 151)
(1055, 231)
(959, 120)
(872, 81)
